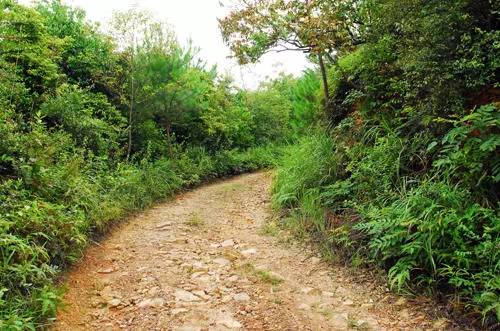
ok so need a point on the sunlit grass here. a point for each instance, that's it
(195, 221)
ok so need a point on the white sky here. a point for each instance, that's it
(197, 19)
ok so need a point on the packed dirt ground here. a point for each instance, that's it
(202, 262)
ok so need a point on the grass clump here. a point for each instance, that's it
(264, 276)
(268, 277)
(195, 221)
(270, 228)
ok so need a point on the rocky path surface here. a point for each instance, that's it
(201, 262)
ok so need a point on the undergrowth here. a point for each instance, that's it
(435, 230)
(44, 232)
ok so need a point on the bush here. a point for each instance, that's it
(436, 237)
(271, 114)
(93, 123)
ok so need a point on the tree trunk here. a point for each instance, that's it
(169, 137)
(129, 145)
(326, 93)
(132, 92)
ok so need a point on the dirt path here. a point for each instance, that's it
(199, 262)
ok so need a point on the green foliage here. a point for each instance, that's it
(28, 54)
(469, 152)
(439, 238)
(86, 56)
(89, 118)
(407, 177)
(299, 97)
(304, 98)
(226, 121)
(307, 165)
(271, 115)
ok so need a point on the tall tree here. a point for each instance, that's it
(321, 28)
(127, 28)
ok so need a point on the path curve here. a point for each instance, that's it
(201, 262)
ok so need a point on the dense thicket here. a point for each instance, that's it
(406, 174)
(90, 131)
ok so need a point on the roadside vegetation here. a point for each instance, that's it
(404, 172)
